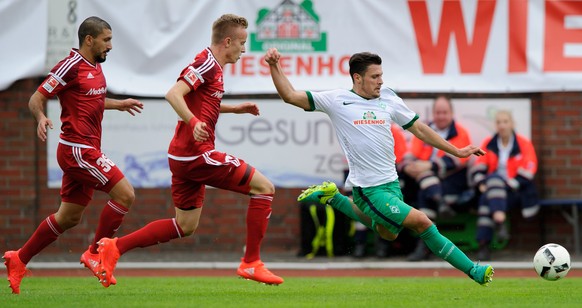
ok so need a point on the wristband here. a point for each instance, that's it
(193, 122)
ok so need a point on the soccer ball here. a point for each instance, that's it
(552, 262)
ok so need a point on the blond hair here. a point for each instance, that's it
(504, 112)
(223, 27)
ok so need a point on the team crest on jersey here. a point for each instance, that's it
(369, 115)
(369, 118)
(50, 84)
(192, 75)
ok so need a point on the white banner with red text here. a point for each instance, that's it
(426, 46)
(490, 46)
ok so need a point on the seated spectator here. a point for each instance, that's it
(441, 178)
(382, 246)
(504, 176)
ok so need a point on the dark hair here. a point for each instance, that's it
(223, 26)
(92, 26)
(359, 62)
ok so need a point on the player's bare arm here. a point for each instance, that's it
(245, 107)
(130, 105)
(175, 97)
(282, 84)
(36, 106)
(426, 134)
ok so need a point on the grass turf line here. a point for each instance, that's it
(295, 292)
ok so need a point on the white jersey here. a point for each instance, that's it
(362, 127)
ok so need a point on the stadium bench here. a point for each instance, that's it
(571, 217)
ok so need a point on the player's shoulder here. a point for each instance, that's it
(330, 95)
(68, 68)
(205, 62)
(388, 93)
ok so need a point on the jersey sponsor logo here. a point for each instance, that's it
(50, 84)
(90, 76)
(192, 75)
(218, 94)
(369, 118)
(98, 91)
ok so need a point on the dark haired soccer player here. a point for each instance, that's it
(196, 97)
(362, 118)
(80, 85)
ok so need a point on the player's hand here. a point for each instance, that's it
(200, 133)
(247, 107)
(470, 150)
(130, 105)
(41, 128)
(272, 56)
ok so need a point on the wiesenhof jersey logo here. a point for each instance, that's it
(369, 118)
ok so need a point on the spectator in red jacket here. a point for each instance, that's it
(441, 178)
(505, 179)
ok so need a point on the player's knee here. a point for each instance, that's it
(188, 225)
(417, 221)
(127, 197)
(68, 221)
(423, 223)
(189, 230)
(265, 188)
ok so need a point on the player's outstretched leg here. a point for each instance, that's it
(446, 250)
(108, 256)
(327, 193)
(15, 269)
(91, 262)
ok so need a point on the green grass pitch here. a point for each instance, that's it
(295, 292)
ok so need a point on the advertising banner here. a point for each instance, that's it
(293, 148)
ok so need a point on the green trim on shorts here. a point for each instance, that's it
(384, 204)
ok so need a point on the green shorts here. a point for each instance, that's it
(384, 204)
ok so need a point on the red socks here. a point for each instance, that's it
(47, 232)
(159, 231)
(258, 215)
(110, 220)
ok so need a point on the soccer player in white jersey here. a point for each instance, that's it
(362, 118)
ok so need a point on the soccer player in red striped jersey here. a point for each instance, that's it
(196, 97)
(80, 86)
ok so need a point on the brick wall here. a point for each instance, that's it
(25, 200)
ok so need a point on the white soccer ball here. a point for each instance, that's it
(552, 262)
